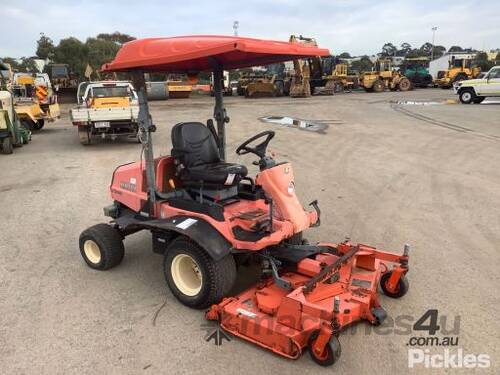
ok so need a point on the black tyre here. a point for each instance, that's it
(478, 99)
(27, 124)
(84, 135)
(466, 96)
(7, 147)
(101, 247)
(194, 277)
(330, 354)
(38, 125)
(404, 84)
(460, 77)
(401, 288)
(280, 88)
(378, 86)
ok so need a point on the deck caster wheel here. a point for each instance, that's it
(101, 247)
(194, 277)
(330, 354)
(380, 315)
(401, 288)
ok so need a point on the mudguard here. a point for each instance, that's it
(200, 231)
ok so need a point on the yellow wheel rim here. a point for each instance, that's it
(186, 275)
(92, 251)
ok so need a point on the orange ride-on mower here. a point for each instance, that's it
(207, 215)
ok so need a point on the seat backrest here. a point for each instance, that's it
(194, 144)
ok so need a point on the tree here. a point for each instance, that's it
(497, 59)
(345, 55)
(483, 62)
(438, 51)
(455, 49)
(72, 52)
(405, 49)
(389, 49)
(364, 64)
(45, 47)
(100, 51)
(426, 49)
(116, 37)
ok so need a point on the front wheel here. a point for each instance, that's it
(7, 145)
(194, 277)
(404, 84)
(466, 96)
(101, 247)
(330, 354)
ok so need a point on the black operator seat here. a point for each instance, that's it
(198, 160)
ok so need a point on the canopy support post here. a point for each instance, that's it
(146, 127)
(219, 110)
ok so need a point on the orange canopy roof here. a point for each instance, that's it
(199, 53)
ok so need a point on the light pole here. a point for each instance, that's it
(236, 24)
(433, 35)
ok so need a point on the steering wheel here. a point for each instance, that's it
(260, 149)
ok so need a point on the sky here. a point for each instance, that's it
(356, 26)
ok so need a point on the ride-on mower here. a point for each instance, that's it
(207, 215)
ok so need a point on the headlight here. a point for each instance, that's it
(291, 188)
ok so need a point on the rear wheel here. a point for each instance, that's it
(194, 277)
(330, 354)
(84, 135)
(378, 86)
(101, 247)
(7, 145)
(38, 125)
(460, 77)
(466, 96)
(404, 84)
(28, 124)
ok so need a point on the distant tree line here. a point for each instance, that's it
(426, 50)
(95, 51)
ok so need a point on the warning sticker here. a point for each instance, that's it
(186, 223)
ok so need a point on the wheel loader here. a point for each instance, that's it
(384, 77)
(271, 82)
(460, 69)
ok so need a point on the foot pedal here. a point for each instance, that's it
(380, 314)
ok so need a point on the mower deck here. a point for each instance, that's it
(324, 294)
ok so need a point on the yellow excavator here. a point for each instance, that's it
(318, 75)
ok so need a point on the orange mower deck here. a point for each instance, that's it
(315, 301)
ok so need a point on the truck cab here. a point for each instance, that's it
(476, 90)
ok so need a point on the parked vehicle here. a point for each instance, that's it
(459, 70)
(384, 77)
(476, 90)
(106, 109)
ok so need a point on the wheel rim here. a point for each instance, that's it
(466, 96)
(92, 251)
(186, 275)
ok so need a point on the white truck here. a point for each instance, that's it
(106, 109)
(476, 90)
